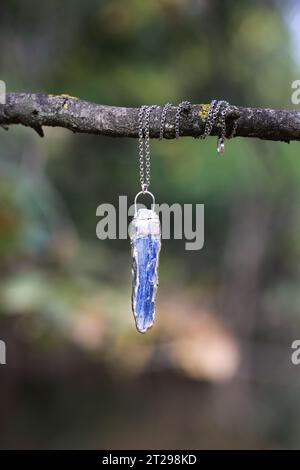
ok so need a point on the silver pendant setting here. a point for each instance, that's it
(145, 235)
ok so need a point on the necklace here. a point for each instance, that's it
(145, 235)
(144, 229)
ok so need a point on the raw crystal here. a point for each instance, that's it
(145, 237)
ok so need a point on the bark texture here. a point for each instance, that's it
(36, 110)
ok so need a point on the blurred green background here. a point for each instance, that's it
(215, 371)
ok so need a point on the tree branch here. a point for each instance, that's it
(37, 110)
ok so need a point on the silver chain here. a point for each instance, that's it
(218, 109)
(144, 145)
(211, 118)
(180, 107)
(163, 120)
(217, 114)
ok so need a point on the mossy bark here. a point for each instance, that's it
(37, 110)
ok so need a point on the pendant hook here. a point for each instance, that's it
(143, 192)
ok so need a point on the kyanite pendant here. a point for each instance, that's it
(145, 237)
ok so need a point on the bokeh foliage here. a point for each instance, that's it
(65, 296)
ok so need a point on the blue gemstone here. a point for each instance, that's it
(145, 237)
(145, 253)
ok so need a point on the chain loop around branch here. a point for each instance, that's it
(179, 110)
(163, 120)
(217, 113)
(144, 145)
